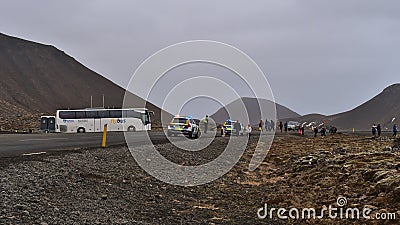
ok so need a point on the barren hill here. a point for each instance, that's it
(39, 79)
(383, 108)
(253, 109)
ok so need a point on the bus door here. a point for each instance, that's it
(94, 122)
(101, 119)
(98, 127)
(147, 120)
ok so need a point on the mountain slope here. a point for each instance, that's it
(253, 109)
(37, 79)
(382, 109)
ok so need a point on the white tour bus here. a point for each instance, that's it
(93, 120)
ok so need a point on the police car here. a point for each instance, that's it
(229, 127)
(184, 125)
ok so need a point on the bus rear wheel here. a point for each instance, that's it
(131, 129)
(81, 130)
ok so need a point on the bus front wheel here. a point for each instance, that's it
(131, 129)
(81, 130)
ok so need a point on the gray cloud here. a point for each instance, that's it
(319, 56)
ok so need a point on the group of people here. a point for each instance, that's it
(316, 131)
(332, 129)
(268, 125)
(377, 129)
(281, 126)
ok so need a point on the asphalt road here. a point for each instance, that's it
(18, 144)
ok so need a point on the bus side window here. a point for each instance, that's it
(131, 114)
(103, 114)
(91, 114)
(67, 115)
(115, 113)
(80, 114)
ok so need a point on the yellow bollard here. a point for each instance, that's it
(104, 142)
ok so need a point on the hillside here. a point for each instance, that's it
(39, 79)
(383, 108)
(253, 109)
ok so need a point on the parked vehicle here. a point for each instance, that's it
(93, 120)
(229, 127)
(293, 125)
(48, 124)
(184, 125)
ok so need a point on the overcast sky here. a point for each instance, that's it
(318, 56)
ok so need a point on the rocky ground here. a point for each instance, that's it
(16, 119)
(106, 186)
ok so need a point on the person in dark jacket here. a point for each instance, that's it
(281, 126)
(286, 126)
(315, 131)
(238, 127)
(260, 125)
(394, 130)
(379, 129)
(323, 132)
(266, 124)
(373, 129)
(331, 129)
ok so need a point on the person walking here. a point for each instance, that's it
(302, 130)
(315, 131)
(394, 130)
(379, 130)
(323, 132)
(237, 128)
(272, 125)
(249, 129)
(373, 129)
(281, 126)
(286, 126)
(206, 124)
(260, 125)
